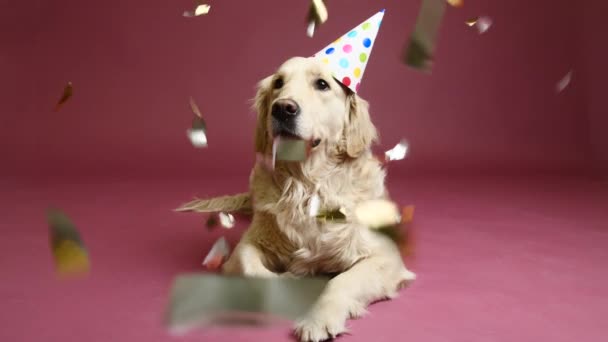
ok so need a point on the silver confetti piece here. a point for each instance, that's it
(398, 152)
(197, 300)
(287, 149)
(483, 24)
(317, 15)
(421, 46)
(564, 82)
(198, 132)
(218, 253)
(226, 220)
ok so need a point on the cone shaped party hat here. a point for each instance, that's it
(347, 57)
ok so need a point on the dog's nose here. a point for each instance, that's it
(284, 110)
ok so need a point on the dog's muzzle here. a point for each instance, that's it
(284, 116)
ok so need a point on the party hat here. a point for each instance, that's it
(348, 55)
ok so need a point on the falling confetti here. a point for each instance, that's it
(211, 222)
(407, 245)
(398, 152)
(313, 206)
(226, 220)
(67, 93)
(401, 233)
(419, 52)
(564, 82)
(217, 255)
(198, 132)
(317, 15)
(482, 23)
(199, 10)
(378, 213)
(71, 257)
(456, 3)
(208, 299)
(471, 22)
(334, 216)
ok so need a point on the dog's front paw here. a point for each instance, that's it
(327, 320)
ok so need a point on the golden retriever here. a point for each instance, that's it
(302, 99)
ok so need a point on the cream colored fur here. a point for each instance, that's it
(283, 240)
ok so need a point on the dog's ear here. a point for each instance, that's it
(359, 132)
(261, 104)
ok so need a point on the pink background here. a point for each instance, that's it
(489, 106)
(509, 246)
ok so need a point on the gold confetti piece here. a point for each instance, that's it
(317, 15)
(456, 3)
(198, 300)
(199, 10)
(563, 83)
(198, 132)
(313, 206)
(419, 51)
(401, 233)
(67, 93)
(378, 213)
(71, 257)
(334, 216)
(217, 255)
(227, 220)
(398, 152)
(408, 241)
(471, 22)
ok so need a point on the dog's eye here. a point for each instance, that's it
(278, 83)
(321, 84)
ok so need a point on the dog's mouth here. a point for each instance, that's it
(285, 133)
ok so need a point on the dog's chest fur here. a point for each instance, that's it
(307, 246)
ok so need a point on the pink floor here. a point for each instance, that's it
(498, 260)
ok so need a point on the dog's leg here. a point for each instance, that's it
(347, 295)
(247, 260)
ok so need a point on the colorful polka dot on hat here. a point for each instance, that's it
(348, 55)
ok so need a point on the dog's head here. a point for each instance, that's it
(303, 100)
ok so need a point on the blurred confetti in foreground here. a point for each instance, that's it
(240, 203)
(419, 51)
(317, 15)
(564, 82)
(288, 149)
(198, 300)
(67, 93)
(199, 10)
(198, 132)
(401, 232)
(71, 257)
(217, 255)
(378, 213)
(482, 23)
(456, 3)
(398, 152)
